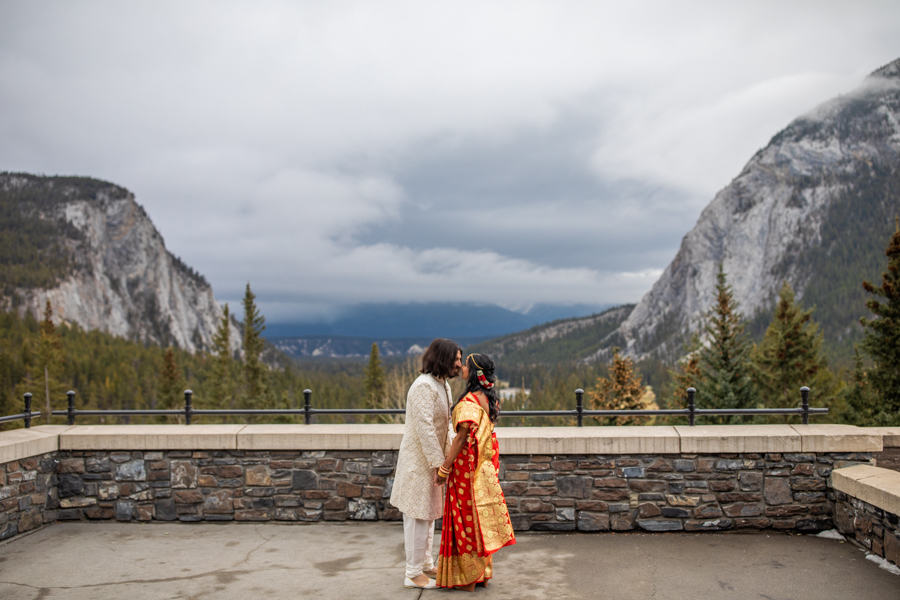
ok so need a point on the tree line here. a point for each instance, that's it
(111, 373)
(727, 369)
(725, 366)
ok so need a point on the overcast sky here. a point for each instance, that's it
(340, 152)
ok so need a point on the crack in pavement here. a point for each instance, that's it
(649, 559)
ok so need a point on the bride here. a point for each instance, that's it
(475, 520)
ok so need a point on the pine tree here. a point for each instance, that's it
(49, 356)
(254, 369)
(223, 380)
(8, 401)
(725, 372)
(171, 384)
(862, 405)
(790, 356)
(621, 390)
(882, 338)
(376, 386)
(686, 374)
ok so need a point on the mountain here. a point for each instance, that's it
(428, 320)
(355, 347)
(815, 208)
(89, 248)
(562, 340)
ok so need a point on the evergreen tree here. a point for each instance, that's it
(685, 374)
(862, 405)
(790, 356)
(9, 405)
(882, 337)
(375, 383)
(725, 372)
(254, 369)
(223, 379)
(621, 390)
(171, 384)
(49, 356)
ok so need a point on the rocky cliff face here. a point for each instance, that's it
(121, 279)
(813, 208)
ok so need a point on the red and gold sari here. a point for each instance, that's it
(476, 520)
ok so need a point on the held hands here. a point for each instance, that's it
(441, 475)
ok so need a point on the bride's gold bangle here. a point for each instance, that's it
(444, 472)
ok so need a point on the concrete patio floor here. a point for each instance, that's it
(365, 560)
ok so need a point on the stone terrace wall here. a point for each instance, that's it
(27, 494)
(673, 493)
(226, 485)
(589, 479)
(557, 493)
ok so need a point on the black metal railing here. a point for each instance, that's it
(308, 412)
(26, 416)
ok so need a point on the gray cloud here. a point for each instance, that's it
(333, 153)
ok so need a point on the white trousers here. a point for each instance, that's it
(418, 537)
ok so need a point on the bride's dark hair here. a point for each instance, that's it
(481, 363)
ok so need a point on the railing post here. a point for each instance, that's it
(692, 408)
(804, 404)
(579, 404)
(187, 406)
(70, 409)
(27, 397)
(307, 394)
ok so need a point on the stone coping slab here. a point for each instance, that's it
(23, 443)
(714, 439)
(321, 437)
(890, 436)
(150, 437)
(838, 438)
(877, 486)
(588, 440)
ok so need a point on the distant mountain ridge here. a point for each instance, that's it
(91, 250)
(564, 340)
(428, 320)
(355, 347)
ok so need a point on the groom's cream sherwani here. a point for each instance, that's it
(426, 441)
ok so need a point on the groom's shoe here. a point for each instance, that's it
(412, 584)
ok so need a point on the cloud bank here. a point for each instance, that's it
(336, 153)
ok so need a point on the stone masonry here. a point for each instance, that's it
(556, 493)
(226, 485)
(875, 529)
(672, 493)
(28, 496)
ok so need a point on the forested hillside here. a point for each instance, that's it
(562, 341)
(109, 372)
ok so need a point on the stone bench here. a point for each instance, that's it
(867, 505)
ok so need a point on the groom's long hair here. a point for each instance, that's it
(439, 359)
(483, 363)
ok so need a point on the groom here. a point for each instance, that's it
(422, 451)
